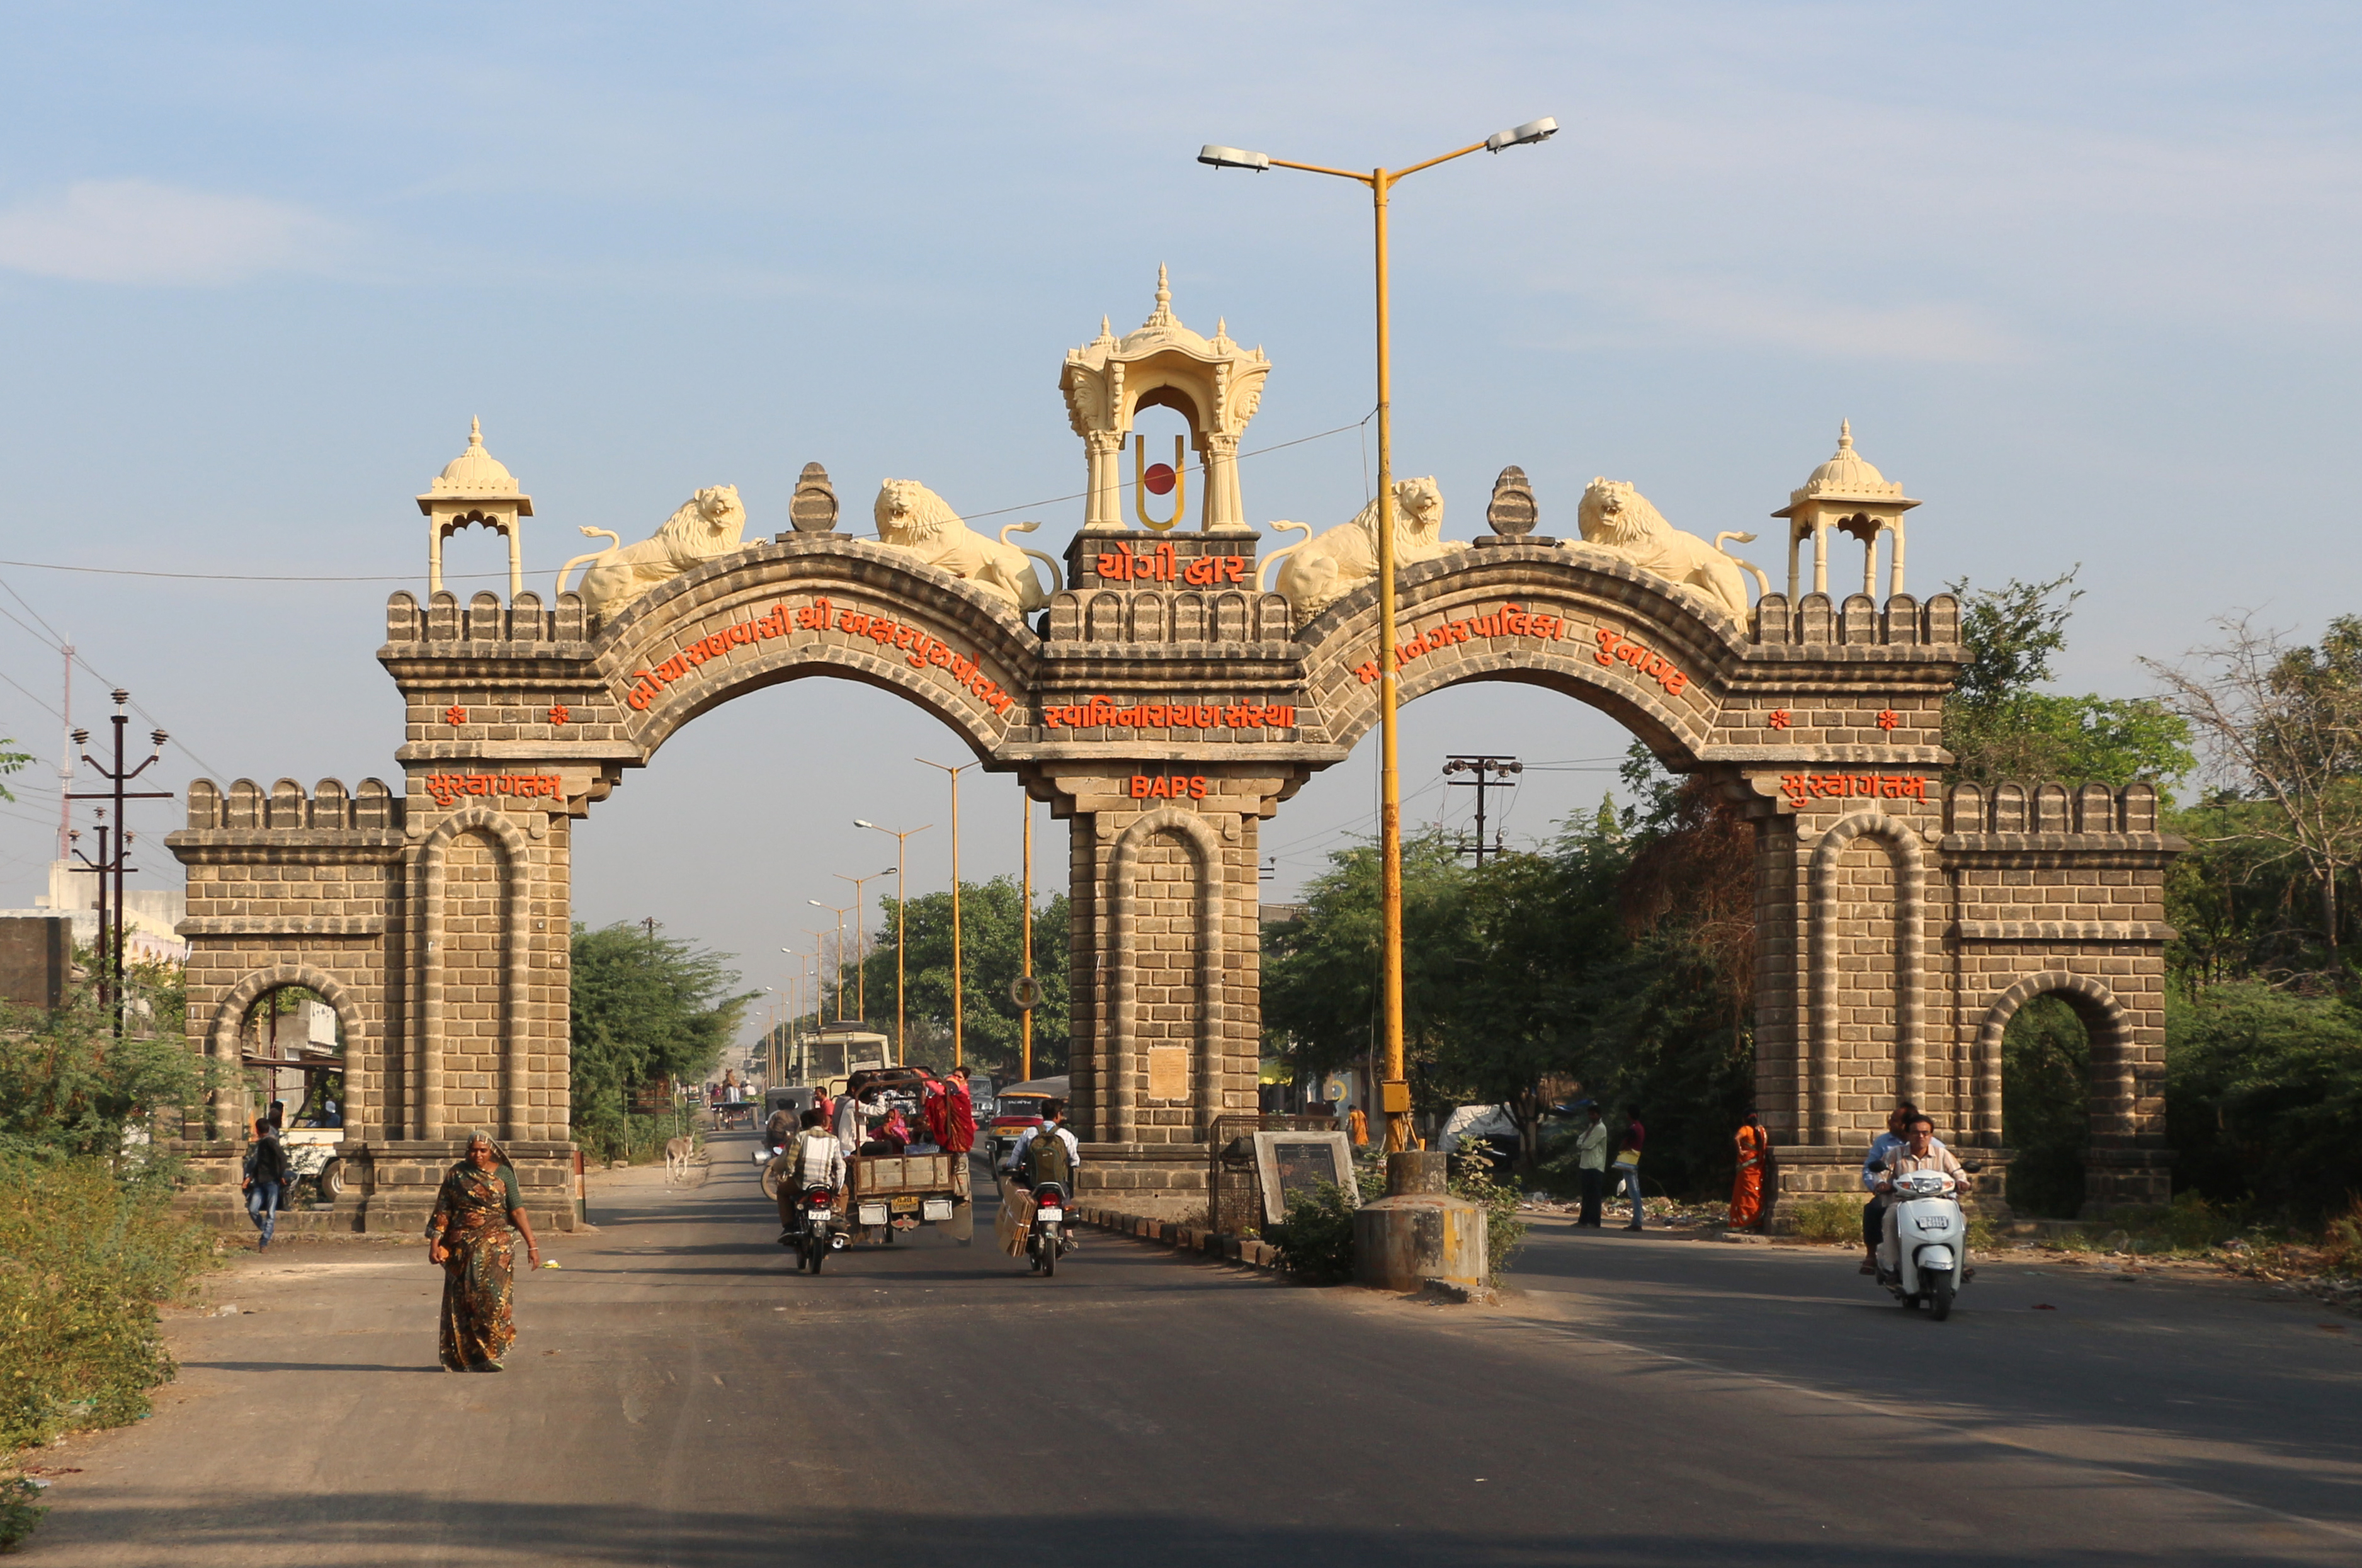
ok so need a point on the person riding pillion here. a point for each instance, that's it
(813, 1159)
(1922, 1153)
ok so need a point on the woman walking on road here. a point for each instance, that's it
(469, 1237)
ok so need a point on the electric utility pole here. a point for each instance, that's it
(1488, 773)
(110, 941)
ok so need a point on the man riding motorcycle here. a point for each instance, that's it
(1921, 1153)
(1021, 1164)
(813, 1159)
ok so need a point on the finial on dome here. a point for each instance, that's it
(1164, 290)
(1105, 331)
(475, 432)
(1845, 434)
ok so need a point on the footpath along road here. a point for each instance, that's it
(680, 1395)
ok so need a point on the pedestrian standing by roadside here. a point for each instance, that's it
(469, 1237)
(1357, 1122)
(1591, 1163)
(1746, 1187)
(1628, 1161)
(265, 1178)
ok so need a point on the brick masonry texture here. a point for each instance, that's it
(1897, 927)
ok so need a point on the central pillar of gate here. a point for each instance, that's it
(1171, 721)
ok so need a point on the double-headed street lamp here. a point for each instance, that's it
(861, 938)
(958, 1018)
(902, 837)
(1396, 1089)
(840, 912)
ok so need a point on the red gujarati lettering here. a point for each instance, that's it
(1508, 620)
(1801, 788)
(923, 650)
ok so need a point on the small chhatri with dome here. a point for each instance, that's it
(1849, 495)
(474, 488)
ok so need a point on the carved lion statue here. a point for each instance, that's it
(912, 517)
(709, 523)
(1618, 519)
(1329, 565)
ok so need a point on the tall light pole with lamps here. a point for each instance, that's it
(861, 938)
(957, 1014)
(902, 837)
(839, 913)
(1395, 1089)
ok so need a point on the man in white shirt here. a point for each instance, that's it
(1921, 1153)
(814, 1158)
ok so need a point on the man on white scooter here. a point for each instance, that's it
(1921, 1153)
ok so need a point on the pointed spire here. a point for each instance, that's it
(1845, 434)
(1105, 331)
(1162, 314)
(475, 432)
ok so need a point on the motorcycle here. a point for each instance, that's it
(815, 1242)
(1931, 1243)
(1047, 1237)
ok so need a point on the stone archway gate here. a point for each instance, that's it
(1164, 722)
(1165, 707)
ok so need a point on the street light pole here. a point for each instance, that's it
(1381, 182)
(840, 915)
(901, 921)
(1026, 1024)
(958, 1006)
(861, 938)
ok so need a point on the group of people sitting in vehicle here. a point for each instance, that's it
(870, 1123)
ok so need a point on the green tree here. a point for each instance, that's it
(1997, 725)
(992, 952)
(647, 1009)
(11, 761)
(1320, 970)
(2262, 1092)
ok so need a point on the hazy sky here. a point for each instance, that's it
(2083, 277)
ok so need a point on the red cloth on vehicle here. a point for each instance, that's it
(951, 1117)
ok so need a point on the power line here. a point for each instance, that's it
(58, 647)
(481, 576)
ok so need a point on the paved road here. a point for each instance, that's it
(680, 1395)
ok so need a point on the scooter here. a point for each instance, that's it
(1931, 1236)
(815, 1243)
(1047, 1237)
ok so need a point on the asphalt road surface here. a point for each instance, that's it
(680, 1394)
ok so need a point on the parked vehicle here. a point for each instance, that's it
(1931, 1236)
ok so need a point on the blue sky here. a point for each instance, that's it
(2083, 278)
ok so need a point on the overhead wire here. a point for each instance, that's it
(56, 644)
(478, 576)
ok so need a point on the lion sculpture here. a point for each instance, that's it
(912, 517)
(1329, 565)
(1618, 519)
(709, 523)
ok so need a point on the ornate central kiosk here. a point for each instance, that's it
(1166, 699)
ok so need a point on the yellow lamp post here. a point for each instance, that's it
(840, 911)
(902, 837)
(861, 938)
(957, 1058)
(1395, 1089)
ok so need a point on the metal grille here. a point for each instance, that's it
(1233, 1186)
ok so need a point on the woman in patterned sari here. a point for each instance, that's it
(469, 1237)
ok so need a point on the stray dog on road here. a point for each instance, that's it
(677, 1154)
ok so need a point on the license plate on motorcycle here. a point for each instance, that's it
(1049, 1221)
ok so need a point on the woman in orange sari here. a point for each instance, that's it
(1746, 1191)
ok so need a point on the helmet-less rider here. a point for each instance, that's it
(1919, 1153)
(814, 1159)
